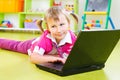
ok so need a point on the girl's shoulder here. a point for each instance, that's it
(72, 34)
(46, 32)
(41, 37)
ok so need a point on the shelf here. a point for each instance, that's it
(9, 12)
(40, 13)
(18, 29)
(31, 10)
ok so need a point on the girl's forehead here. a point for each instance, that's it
(57, 18)
(51, 21)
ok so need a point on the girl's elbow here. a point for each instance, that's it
(35, 58)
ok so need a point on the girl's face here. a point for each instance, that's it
(58, 29)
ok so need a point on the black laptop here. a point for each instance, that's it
(90, 52)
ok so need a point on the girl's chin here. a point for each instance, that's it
(59, 38)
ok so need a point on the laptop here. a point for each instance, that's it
(90, 52)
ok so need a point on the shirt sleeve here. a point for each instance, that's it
(37, 47)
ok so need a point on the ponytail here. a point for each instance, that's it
(74, 16)
(39, 24)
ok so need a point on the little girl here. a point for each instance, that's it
(53, 45)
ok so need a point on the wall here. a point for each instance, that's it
(115, 13)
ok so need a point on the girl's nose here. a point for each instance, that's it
(59, 29)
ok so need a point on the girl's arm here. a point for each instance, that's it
(38, 59)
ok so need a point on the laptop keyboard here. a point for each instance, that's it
(56, 65)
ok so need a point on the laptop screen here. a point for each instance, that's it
(92, 48)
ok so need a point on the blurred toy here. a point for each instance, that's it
(57, 3)
(69, 8)
(93, 23)
(30, 24)
(6, 24)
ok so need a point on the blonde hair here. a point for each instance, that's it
(53, 13)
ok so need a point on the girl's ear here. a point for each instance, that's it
(47, 26)
(69, 28)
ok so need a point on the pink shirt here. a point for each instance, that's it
(45, 44)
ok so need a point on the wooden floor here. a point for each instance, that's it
(16, 66)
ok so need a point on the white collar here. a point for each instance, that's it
(66, 39)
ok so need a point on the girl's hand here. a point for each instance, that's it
(57, 60)
(38, 59)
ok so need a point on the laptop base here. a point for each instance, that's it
(72, 71)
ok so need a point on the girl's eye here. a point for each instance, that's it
(53, 26)
(61, 24)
